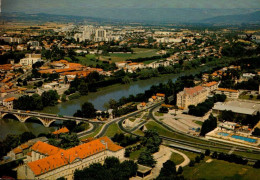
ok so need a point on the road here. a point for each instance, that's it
(120, 119)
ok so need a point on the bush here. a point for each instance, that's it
(197, 159)
(202, 156)
(207, 152)
(257, 164)
(192, 163)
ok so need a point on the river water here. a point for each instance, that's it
(96, 98)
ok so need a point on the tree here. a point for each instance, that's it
(256, 132)
(26, 136)
(88, 110)
(208, 125)
(111, 162)
(151, 140)
(168, 169)
(146, 159)
(180, 170)
(192, 163)
(83, 88)
(163, 110)
(197, 159)
(69, 140)
(257, 164)
(112, 104)
(207, 152)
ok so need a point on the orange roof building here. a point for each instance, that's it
(191, 96)
(63, 163)
(62, 130)
(230, 93)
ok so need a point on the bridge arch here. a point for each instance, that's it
(13, 115)
(45, 122)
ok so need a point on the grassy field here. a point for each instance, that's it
(218, 169)
(164, 132)
(138, 53)
(198, 122)
(247, 97)
(158, 114)
(134, 155)
(176, 158)
(92, 134)
(112, 130)
(139, 132)
(89, 59)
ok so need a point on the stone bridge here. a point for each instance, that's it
(45, 118)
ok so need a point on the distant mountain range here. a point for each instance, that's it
(147, 15)
(235, 19)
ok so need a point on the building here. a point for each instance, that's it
(191, 96)
(9, 103)
(211, 86)
(49, 162)
(230, 93)
(238, 107)
(61, 131)
(30, 59)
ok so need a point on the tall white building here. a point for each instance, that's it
(30, 59)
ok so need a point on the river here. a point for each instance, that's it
(96, 98)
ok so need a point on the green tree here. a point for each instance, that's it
(88, 110)
(146, 159)
(26, 136)
(168, 170)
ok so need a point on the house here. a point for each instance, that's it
(9, 103)
(160, 96)
(61, 131)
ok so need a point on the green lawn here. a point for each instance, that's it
(247, 97)
(158, 114)
(92, 134)
(198, 122)
(89, 59)
(164, 132)
(131, 119)
(138, 53)
(134, 155)
(176, 158)
(218, 169)
(112, 130)
(139, 132)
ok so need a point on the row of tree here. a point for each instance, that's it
(202, 108)
(151, 142)
(208, 125)
(124, 140)
(37, 102)
(112, 169)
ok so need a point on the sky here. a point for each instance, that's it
(73, 6)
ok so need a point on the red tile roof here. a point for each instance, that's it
(68, 156)
(62, 130)
(45, 148)
(193, 90)
(210, 84)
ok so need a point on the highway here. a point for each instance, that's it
(200, 144)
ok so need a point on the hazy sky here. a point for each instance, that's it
(73, 6)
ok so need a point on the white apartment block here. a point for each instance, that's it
(30, 59)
